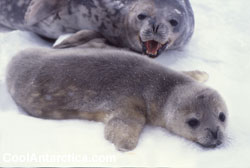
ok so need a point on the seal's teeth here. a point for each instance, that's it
(152, 47)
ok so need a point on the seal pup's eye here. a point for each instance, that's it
(142, 16)
(173, 22)
(193, 122)
(222, 117)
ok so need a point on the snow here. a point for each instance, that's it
(219, 46)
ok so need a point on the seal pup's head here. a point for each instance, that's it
(156, 25)
(197, 113)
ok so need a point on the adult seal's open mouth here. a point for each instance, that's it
(153, 48)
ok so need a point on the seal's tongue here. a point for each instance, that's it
(152, 47)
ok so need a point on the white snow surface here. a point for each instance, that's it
(220, 46)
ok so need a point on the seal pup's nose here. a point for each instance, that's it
(214, 133)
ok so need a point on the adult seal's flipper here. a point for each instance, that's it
(39, 10)
(82, 39)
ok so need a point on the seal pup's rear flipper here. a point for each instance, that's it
(39, 10)
(199, 76)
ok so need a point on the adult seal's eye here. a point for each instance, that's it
(142, 16)
(193, 122)
(222, 117)
(173, 22)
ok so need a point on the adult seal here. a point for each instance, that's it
(121, 89)
(145, 26)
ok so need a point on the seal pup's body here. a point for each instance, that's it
(121, 89)
(148, 26)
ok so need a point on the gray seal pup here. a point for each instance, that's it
(145, 26)
(122, 89)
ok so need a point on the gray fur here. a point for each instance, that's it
(121, 89)
(116, 20)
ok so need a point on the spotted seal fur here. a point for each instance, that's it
(145, 26)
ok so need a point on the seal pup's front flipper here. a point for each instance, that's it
(39, 10)
(200, 76)
(84, 39)
(124, 134)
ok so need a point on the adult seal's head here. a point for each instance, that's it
(155, 25)
(198, 114)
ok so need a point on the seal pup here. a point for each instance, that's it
(121, 89)
(144, 26)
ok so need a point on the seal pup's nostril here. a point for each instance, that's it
(214, 133)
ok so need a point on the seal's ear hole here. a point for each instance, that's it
(222, 117)
(193, 123)
(173, 22)
(142, 16)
